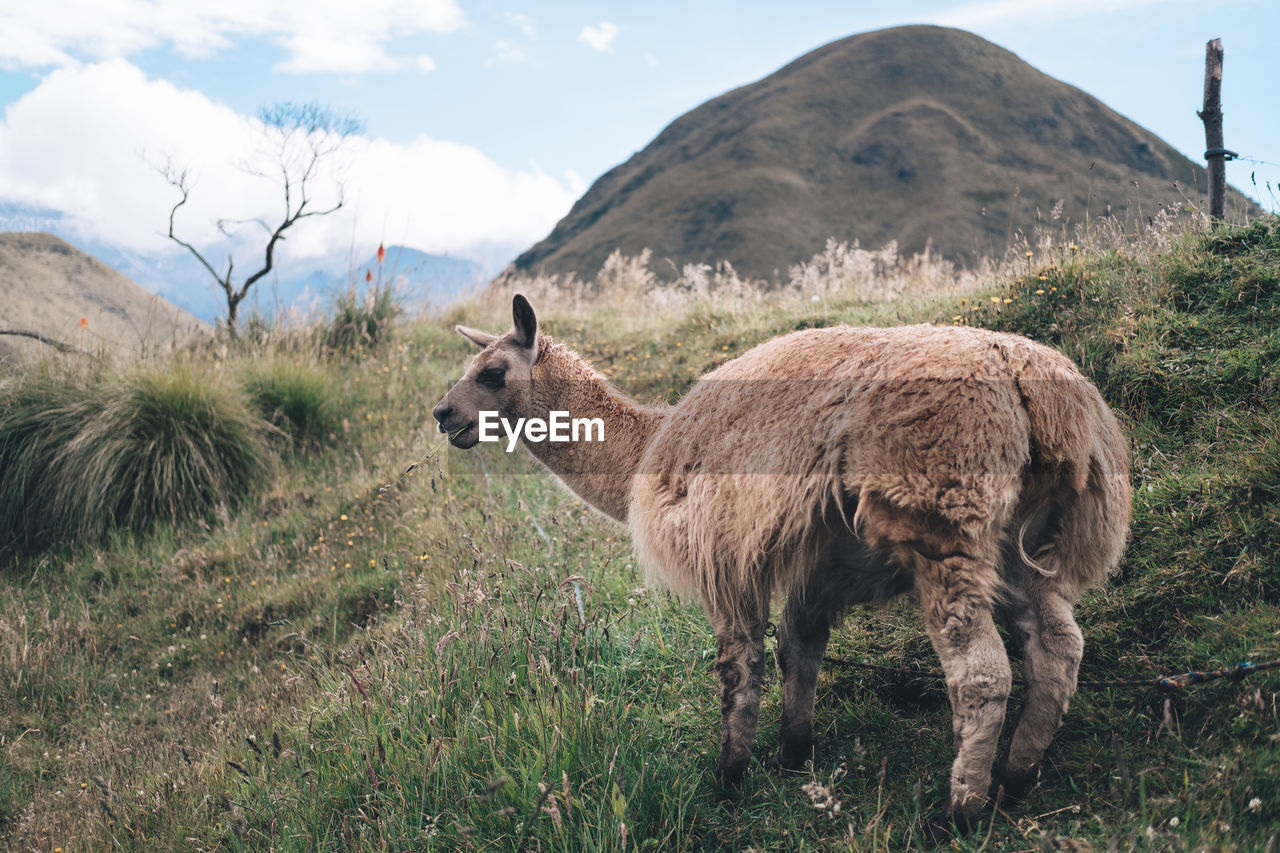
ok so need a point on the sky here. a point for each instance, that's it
(484, 121)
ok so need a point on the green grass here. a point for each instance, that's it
(138, 657)
(298, 398)
(408, 667)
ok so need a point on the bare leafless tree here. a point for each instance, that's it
(298, 142)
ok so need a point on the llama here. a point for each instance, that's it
(837, 466)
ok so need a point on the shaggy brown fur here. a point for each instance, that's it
(836, 466)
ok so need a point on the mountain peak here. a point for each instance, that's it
(926, 135)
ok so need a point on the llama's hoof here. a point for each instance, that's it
(1009, 786)
(945, 825)
(777, 764)
(730, 772)
(790, 758)
(937, 830)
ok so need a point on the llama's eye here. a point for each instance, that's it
(492, 377)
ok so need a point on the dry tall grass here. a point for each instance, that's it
(630, 295)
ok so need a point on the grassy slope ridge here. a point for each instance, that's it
(467, 659)
(857, 140)
(48, 285)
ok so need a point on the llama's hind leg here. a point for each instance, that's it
(740, 666)
(1092, 528)
(956, 594)
(802, 640)
(1052, 646)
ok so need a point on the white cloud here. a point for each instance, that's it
(76, 144)
(510, 49)
(599, 38)
(521, 22)
(505, 50)
(321, 35)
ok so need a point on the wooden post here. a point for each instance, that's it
(1215, 155)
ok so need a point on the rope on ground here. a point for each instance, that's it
(1161, 682)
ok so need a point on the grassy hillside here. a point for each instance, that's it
(923, 135)
(48, 286)
(464, 657)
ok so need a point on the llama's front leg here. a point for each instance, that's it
(802, 640)
(1052, 647)
(956, 593)
(740, 665)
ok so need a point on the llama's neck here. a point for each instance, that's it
(599, 472)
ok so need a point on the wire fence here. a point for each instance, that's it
(1233, 157)
(1192, 678)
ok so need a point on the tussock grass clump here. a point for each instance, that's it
(159, 444)
(39, 418)
(361, 320)
(299, 399)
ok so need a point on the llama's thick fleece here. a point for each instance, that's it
(908, 435)
(842, 465)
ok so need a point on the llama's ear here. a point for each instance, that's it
(477, 337)
(526, 323)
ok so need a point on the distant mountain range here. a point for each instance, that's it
(419, 278)
(921, 134)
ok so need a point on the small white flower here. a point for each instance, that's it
(1173, 821)
(1255, 804)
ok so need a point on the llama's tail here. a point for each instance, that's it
(1024, 556)
(1075, 515)
(1077, 535)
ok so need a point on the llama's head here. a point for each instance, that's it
(498, 379)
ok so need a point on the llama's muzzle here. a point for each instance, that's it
(462, 434)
